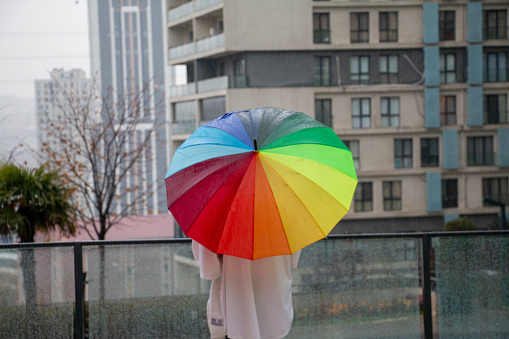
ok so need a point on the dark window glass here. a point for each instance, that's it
(363, 197)
(392, 195)
(359, 70)
(495, 67)
(403, 153)
(388, 69)
(495, 189)
(212, 108)
(447, 25)
(321, 28)
(354, 147)
(359, 27)
(323, 111)
(447, 68)
(389, 111)
(480, 151)
(449, 193)
(495, 24)
(429, 152)
(388, 26)
(495, 109)
(361, 113)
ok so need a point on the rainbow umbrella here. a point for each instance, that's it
(260, 183)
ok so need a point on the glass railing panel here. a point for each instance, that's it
(182, 50)
(182, 90)
(36, 292)
(180, 11)
(213, 84)
(357, 288)
(145, 291)
(209, 43)
(202, 4)
(183, 127)
(472, 286)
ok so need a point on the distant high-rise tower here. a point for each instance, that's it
(50, 100)
(128, 55)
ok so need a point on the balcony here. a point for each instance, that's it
(211, 42)
(183, 127)
(182, 90)
(419, 285)
(182, 50)
(189, 8)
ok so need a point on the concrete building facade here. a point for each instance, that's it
(417, 90)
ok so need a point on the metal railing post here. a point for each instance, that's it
(426, 287)
(79, 293)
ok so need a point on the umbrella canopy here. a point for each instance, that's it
(260, 183)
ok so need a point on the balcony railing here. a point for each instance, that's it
(181, 11)
(209, 43)
(202, 4)
(481, 159)
(182, 50)
(183, 127)
(182, 90)
(354, 286)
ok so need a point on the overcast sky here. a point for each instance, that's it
(37, 36)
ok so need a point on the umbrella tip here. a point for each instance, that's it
(255, 145)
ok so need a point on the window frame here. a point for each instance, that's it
(450, 193)
(362, 115)
(358, 33)
(501, 184)
(499, 73)
(447, 75)
(321, 34)
(321, 78)
(447, 25)
(392, 201)
(480, 157)
(363, 197)
(430, 152)
(390, 76)
(497, 114)
(403, 153)
(320, 111)
(448, 113)
(497, 31)
(386, 33)
(390, 116)
(362, 76)
(356, 152)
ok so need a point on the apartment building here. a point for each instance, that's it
(416, 89)
(128, 56)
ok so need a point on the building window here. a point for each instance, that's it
(321, 28)
(429, 152)
(323, 111)
(447, 110)
(403, 153)
(359, 70)
(388, 69)
(447, 68)
(495, 109)
(447, 25)
(392, 195)
(363, 197)
(354, 147)
(359, 27)
(390, 111)
(322, 71)
(388, 26)
(495, 24)
(480, 151)
(361, 113)
(212, 108)
(495, 189)
(449, 193)
(495, 67)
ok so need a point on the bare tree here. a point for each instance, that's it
(102, 144)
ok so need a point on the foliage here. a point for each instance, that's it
(460, 224)
(102, 143)
(34, 200)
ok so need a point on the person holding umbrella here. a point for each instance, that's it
(252, 188)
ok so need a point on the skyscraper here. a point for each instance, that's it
(128, 55)
(418, 90)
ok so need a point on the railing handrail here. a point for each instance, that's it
(185, 240)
